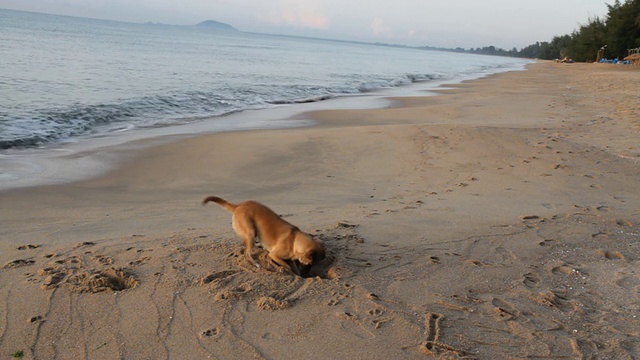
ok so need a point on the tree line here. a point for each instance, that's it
(619, 31)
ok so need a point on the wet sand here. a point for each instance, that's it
(498, 220)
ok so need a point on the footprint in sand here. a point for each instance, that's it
(103, 259)
(378, 322)
(599, 235)
(18, 263)
(432, 324)
(504, 309)
(614, 255)
(432, 346)
(530, 217)
(562, 301)
(611, 255)
(506, 254)
(272, 304)
(346, 316)
(624, 222)
(345, 225)
(563, 270)
(35, 319)
(478, 263)
(531, 280)
(72, 259)
(629, 282)
(140, 261)
(236, 293)
(215, 276)
(85, 243)
(467, 299)
(210, 333)
(546, 242)
(28, 247)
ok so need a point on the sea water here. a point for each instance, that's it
(66, 79)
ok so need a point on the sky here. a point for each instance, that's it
(442, 23)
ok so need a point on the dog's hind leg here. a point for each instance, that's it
(248, 250)
(245, 228)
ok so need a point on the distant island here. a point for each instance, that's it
(208, 25)
(216, 25)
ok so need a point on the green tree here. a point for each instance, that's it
(532, 51)
(623, 27)
(559, 47)
(619, 31)
(588, 40)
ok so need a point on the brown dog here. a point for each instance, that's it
(281, 239)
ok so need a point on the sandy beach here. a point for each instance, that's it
(497, 220)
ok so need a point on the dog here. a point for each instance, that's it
(283, 241)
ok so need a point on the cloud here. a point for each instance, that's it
(300, 13)
(379, 28)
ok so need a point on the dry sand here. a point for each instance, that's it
(498, 220)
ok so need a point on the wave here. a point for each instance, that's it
(302, 101)
(43, 126)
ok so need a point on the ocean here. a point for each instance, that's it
(66, 80)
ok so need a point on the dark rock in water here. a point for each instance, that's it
(215, 25)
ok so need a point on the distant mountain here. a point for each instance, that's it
(216, 25)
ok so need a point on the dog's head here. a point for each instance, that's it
(314, 254)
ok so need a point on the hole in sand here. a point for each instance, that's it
(322, 269)
(103, 280)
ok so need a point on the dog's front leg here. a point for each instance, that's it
(294, 267)
(284, 264)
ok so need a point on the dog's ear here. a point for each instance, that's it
(307, 258)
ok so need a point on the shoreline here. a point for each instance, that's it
(499, 219)
(92, 156)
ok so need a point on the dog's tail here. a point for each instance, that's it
(220, 201)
